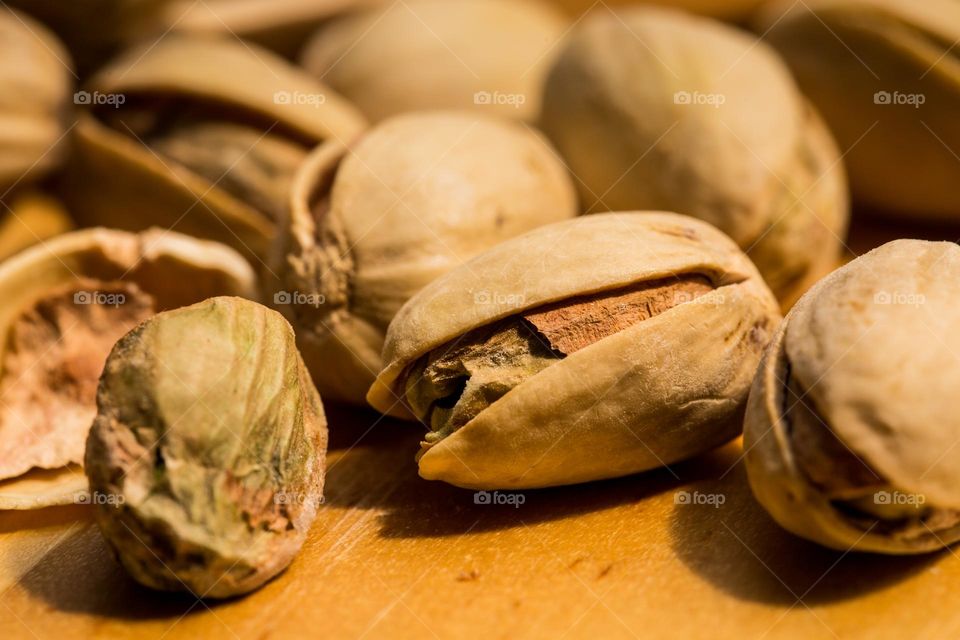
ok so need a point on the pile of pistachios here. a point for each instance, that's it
(562, 243)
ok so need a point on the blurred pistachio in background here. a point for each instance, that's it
(199, 134)
(886, 76)
(724, 9)
(489, 55)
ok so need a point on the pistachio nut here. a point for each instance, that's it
(852, 421)
(489, 55)
(30, 218)
(371, 224)
(35, 85)
(65, 303)
(201, 135)
(725, 9)
(93, 30)
(886, 76)
(208, 449)
(656, 109)
(591, 348)
(281, 25)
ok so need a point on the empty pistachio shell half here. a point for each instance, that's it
(586, 349)
(65, 303)
(489, 55)
(656, 109)
(853, 420)
(371, 224)
(886, 76)
(35, 87)
(206, 458)
(201, 135)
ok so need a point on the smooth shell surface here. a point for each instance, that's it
(874, 347)
(886, 77)
(210, 439)
(651, 394)
(489, 55)
(370, 225)
(656, 109)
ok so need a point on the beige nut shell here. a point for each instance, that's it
(118, 182)
(662, 390)
(440, 54)
(875, 347)
(417, 196)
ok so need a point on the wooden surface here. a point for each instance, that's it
(393, 556)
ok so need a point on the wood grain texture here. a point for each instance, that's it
(393, 556)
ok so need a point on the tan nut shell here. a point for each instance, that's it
(420, 194)
(115, 181)
(440, 54)
(875, 345)
(844, 53)
(621, 104)
(35, 89)
(174, 269)
(660, 391)
(725, 9)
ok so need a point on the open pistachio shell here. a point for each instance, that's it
(35, 88)
(370, 225)
(207, 456)
(489, 55)
(853, 417)
(656, 109)
(201, 135)
(886, 76)
(65, 303)
(654, 323)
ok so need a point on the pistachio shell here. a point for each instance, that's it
(65, 303)
(886, 77)
(417, 196)
(210, 439)
(35, 81)
(867, 358)
(184, 90)
(655, 109)
(660, 390)
(440, 54)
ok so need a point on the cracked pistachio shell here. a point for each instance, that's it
(661, 390)
(853, 419)
(65, 303)
(886, 76)
(211, 440)
(418, 195)
(489, 55)
(657, 109)
(205, 138)
(35, 87)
